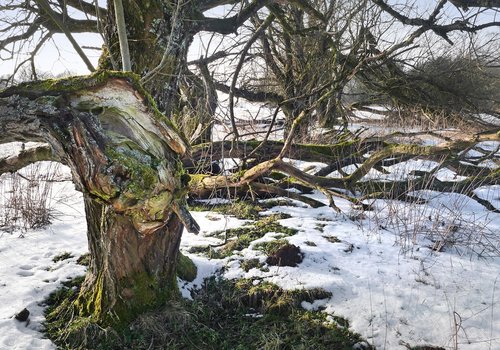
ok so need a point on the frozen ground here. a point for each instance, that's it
(383, 273)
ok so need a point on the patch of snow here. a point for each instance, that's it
(10, 148)
(402, 169)
(315, 305)
(473, 154)
(489, 146)
(368, 115)
(309, 167)
(489, 163)
(445, 174)
(384, 277)
(214, 201)
(490, 193)
(488, 118)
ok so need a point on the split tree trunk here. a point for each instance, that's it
(124, 157)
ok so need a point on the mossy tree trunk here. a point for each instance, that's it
(130, 272)
(124, 157)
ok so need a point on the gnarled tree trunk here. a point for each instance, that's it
(124, 157)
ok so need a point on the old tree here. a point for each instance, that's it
(126, 136)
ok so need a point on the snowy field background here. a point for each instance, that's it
(383, 268)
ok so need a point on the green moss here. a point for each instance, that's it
(336, 149)
(54, 87)
(241, 237)
(271, 247)
(62, 256)
(148, 293)
(89, 304)
(57, 87)
(196, 180)
(239, 209)
(72, 314)
(139, 168)
(325, 152)
(275, 175)
(186, 269)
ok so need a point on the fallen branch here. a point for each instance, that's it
(26, 157)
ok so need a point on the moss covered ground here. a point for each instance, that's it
(237, 239)
(224, 315)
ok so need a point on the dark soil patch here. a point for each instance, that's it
(288, 255)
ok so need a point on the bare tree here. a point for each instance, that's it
(123, 152)
(114, 130)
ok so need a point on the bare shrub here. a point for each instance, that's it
(449, 91)
(436, 220)
(26, 197)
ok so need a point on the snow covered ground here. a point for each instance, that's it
(28, 272)
(391, 296)
(384, 275)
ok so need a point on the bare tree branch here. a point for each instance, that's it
(89, 8)
(26, 157)
(231, 24)
(237, 70)
(465, 4)
(48, 10)
(122, 36)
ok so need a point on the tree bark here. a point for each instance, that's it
(125, 157)
(159, 37)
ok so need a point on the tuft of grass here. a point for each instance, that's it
(268, 297)
(320, 227)
(84, 260)
(62, 256)
(332, 239)
(249, 264)
(28, 197)
(268, 204)
(271, 247)
(244, 210)
(68, 291)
